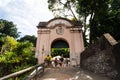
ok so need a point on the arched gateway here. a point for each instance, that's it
(60, 32)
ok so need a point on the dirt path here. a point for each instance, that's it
(69, 73)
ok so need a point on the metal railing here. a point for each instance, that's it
(15, 75)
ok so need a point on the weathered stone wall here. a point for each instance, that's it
(100, 57)
(116, 51)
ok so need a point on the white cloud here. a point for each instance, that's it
(26, 14)
(4, 2)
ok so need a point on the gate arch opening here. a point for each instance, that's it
(60, 47)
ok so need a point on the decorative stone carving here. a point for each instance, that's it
(59, 30)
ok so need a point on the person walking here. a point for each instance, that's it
(48, 60)
(56, 62)
(61, 61)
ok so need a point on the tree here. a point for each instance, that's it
(17, 55)
(14, 55)
(105, 18)
(8, 28)
(62, 8)
(24, 52)
(8, 44)
(29, 38)
(114, 18)
(1, 25)
(98, 12)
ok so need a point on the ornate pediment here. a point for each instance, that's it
(57, 22)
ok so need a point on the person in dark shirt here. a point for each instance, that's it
(56, 62)
(61, 61)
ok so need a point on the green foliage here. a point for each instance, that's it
(18, 68)
(19, 56)
(114, 18)
(8, 44)
(60, 52)
(8, 28)
(98, 11)
(14, 55)
(104, 17)
(10, 57)
(1, 25)
(29, 38)
(25, 52)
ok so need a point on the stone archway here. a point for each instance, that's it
(59, 43)
(60, 47)
(60, 30)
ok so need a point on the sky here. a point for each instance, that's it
(26, 14)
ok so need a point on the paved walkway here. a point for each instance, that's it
(69, 73)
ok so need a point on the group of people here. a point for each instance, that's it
(58, 62)
(55, 62)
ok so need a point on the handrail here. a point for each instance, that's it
(21, 72)
(36, 73)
